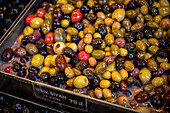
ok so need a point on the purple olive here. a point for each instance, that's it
(24, 59)
(159, 90)
(81, 90)
(34, 37)
(158, 72)
(20, 52)
(85, 9)
(75, 38)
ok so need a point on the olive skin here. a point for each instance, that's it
(7, 55)
(157, 101)
(60, 62)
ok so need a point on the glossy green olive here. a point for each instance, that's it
(153, 41)
(129, 66)
(117, 33)
(153, 49)
(144, 9)
(98, 54)
(118, 14)
(77, 72)
(165, 66)
(46, 26)
(131, 13)
(164, 11)
(69, 72)
(31, 49)
(89, 30)
(109, 39)
(48, 17)
(37, 60)
(140, 18)
(144, 75)
(148, 87)
(152, 25)
(111, 67)
(105, 83)
(72, 31)
(67, 8)
(47, 61)
(100, 68)
(116, 76)
(28, 30)
(137, 27)
(152, 65)
(159, 33)
(157, 81)
(114, 49)
(140, 45)
(80, 81)
(36, 22)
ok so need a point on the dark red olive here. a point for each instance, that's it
(159, 72)
(142, 96)
(159, 90)
(7, 55)
(81, 65)
(157, 101)
(49, 49)
(89, 74)
(81, 90)
(167, 97)
(61, 62)
(44, 76)
(123, 86)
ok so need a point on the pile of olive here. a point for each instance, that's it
(100, 48)
(9, 10)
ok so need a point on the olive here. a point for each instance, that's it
(142, 96)
(24, 59)
(102, 29)
(69, 52)
(96, 9)
(85, 9)
(57, 80)
(130, 46)
(81, 65)
(122, 100)
(132, 5)
(49, 48)
(154, 11)
(40, 44)
(98, 92)
(143, 109)
(7, 55)
(162, 53)
(100, 68)
(130, 81)
(80, 81)
(78, 25)
(152, 65)
(31, 49)
(33, 69)
(106, 9)
(16, 66)
(139, 36)
(159, 72)
(159, 90)
(148, 87)
(95, 82)
(89, 74)
(44, 76)
(148, 33)
(22, 73)
(157, 101)
(25, 40)
(120, 63)
(97, 42)
(75, 38)
(140, 63)
(91, 17)
(130, 37)
(123, 86)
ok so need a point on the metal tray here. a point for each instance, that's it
(45, 95)
(2, 38)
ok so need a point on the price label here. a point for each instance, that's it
(57, 95)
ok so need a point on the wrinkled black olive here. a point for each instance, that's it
(102, 29)
(97, 42)
(68, 52)
(81, 65)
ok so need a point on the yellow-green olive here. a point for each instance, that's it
(162, 60)
(153, 41)
(105, 84)
(117, 33)
(98, 54)
(118, 14)
(72, 31)
(124, 74)
(165, 66)
(37, 60)
(70, 82)
(144, 75)
(116, 25)
(45, 69)
(53, 60)
(144, 9)
(67, 8)
(116, 76)
(148, 87)
(122, 100)
(69, 72)
(36, 22)
(123, 52)
(77, 72)
(106, 93)
(129, 66)
(53, 71)
(137, 27)
(157, 18)
(107, 75)
(131, 13)
(157, 81)
(143, 109)
(92, 61)
(47, 61)
(153, 49)
(65, 23)
(98, 92)
(28, 30)
(140, 45)
(114, 49)
(89, 30)
(164, 11)
(80, 81)
(109, 39)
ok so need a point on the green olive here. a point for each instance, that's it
(80, 81)
(164, 11)
(47, 61)
(140, 45)
(129, 66)
(70, 82)
(28, 30)
(98, 54)
(46, 26)
(144, 75)
(143, 109)
(36, 22)
(77, 72)
(100, 68)
(165, 66)
(152, 25)
(117, 33)
(89, 30)
(148, 17)
(37, 60)
(65, 23)
(109, 39)
(144, 9)
(157, 81)
(69, 72)
(114, 49)
(118, 14)
(72, 31)
(131, 13)
(153, 41)
(48, 17)
(152, 65)
(148, 87)
(67, 8)
(137, 27)
(159, 33)
(140, 18)
(153, 49)
(111, 67)
(157, 18)
(163, 3)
